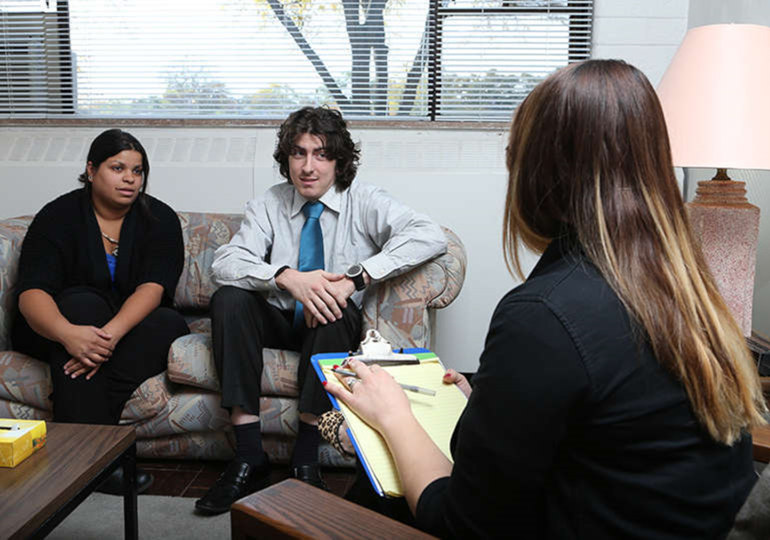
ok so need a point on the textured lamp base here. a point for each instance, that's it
(728, 228)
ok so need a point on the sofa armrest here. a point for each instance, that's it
(453, 264)
(398, 307)
(292, 509)
(12, 233)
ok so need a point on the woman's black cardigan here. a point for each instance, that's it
(63, 248)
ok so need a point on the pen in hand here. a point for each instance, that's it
(409, 387)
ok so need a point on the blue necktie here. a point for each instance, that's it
(311, 247)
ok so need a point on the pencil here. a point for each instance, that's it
(409, 387)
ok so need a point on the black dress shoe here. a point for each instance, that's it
(310, 474)
(238, 480)
(113, 484)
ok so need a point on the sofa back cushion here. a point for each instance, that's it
(203, 233)
(12, 233)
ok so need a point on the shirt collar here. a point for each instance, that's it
(332, 200)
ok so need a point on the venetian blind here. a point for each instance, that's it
(374, 59)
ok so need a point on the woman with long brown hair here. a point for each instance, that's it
(615, 394)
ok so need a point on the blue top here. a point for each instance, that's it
(112, 261)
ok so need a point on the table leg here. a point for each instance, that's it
(130, 514)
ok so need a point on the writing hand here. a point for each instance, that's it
(375, 397)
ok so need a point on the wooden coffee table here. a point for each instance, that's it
(37, 494)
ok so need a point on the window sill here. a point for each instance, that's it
(253, 123)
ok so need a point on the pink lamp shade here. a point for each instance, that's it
(716, 98)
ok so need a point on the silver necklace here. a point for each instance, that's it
(112, 241)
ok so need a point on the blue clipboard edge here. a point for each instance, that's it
(333, 356)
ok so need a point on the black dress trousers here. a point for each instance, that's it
(141, 354)
(243, 323)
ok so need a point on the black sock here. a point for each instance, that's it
(306, 447)
(248, 443)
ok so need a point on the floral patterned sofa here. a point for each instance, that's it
(177, 413)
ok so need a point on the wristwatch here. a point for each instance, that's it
(356, 273)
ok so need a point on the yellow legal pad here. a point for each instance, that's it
(438, 415)
(19, 439)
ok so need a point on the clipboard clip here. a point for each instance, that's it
(375, 349)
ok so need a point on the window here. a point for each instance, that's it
(35, 66)
(374, 59)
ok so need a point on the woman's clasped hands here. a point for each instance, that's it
(90, 347)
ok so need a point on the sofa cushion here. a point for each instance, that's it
(279, 415)
(12, 233)
(190, 362)
(148, 400)
(14, 409)
(203, 233)
(191, 410)
(187, 410)
(199, 325)
(25, 379)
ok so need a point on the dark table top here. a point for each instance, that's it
(73, 455)
(761, 439)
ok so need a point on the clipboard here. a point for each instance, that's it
(437, 414)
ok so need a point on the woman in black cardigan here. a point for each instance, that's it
(97, 274)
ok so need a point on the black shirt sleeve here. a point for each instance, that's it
(162, 252)
(531, 380)
(41, 263)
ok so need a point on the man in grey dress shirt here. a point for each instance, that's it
(367, 237)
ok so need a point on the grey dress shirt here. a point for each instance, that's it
(362, 224)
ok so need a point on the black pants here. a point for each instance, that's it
(141, 354)
(243, 323)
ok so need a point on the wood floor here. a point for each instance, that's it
(188, 478)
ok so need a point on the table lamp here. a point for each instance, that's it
(716, 100)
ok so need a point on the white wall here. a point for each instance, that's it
(458, 177)
(645, 33)
(704, 12)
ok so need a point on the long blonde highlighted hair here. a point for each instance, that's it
(589, 156)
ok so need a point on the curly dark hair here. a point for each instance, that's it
(328, 125)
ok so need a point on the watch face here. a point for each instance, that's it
(356, 273)
(354, 270)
